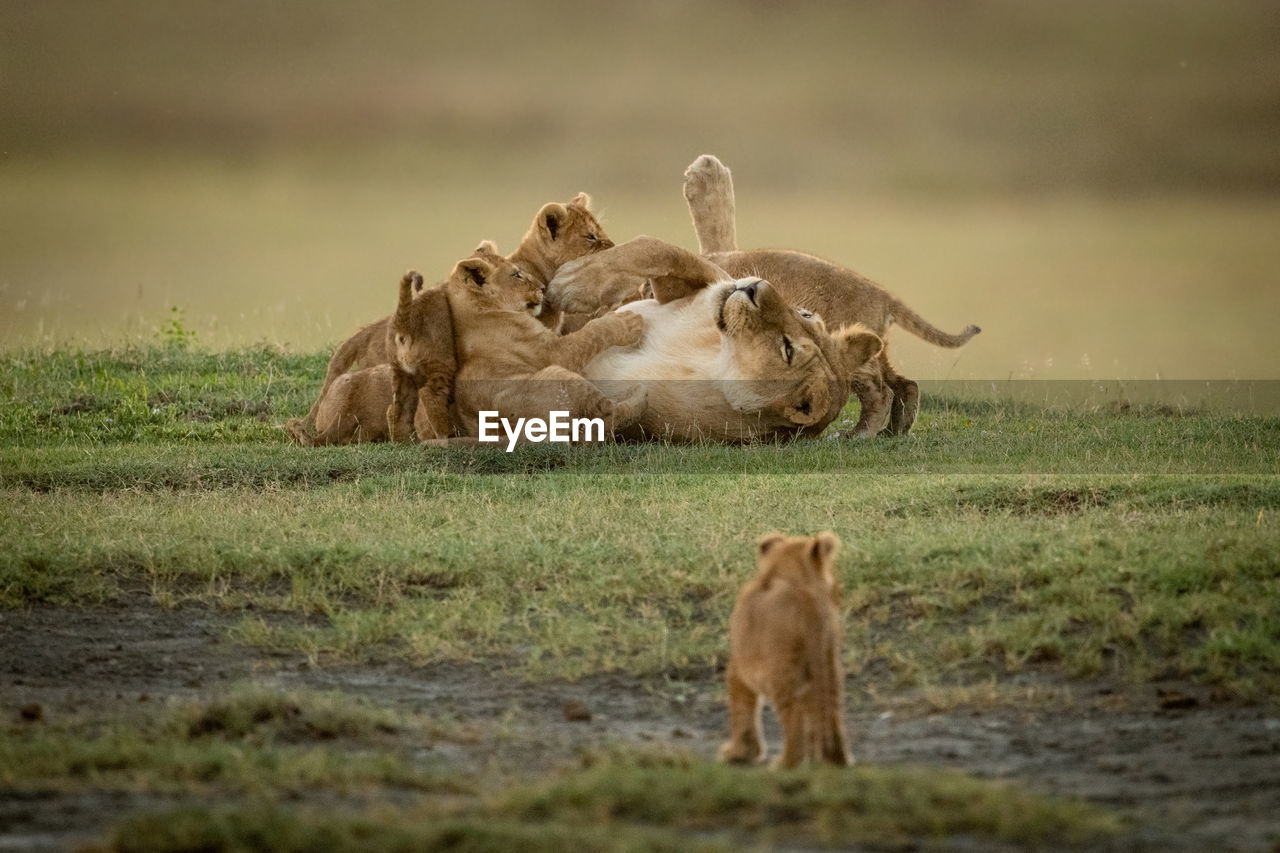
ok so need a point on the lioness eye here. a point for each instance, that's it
(787, 349)
(591, 237)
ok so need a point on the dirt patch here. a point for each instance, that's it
(1196, 775)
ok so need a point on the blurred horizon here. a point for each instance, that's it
(1096, 184)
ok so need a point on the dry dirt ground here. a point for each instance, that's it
(1197, 774)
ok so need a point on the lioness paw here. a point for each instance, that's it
(705, 174)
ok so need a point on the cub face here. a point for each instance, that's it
(566, 232)
(782, 360)
(487, 281)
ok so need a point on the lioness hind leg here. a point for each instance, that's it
(746, 739)
(708, 189)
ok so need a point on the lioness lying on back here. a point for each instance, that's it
(510, 363)
(723, 360)
(559, 233)
(784, 646)
(839, 296)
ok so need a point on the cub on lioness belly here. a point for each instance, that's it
(784, 646)
(511, 363)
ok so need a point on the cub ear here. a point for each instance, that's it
(475, 270)
(825, 545)
(410, 284)
(856, 346)
(550, 218)
(487, 248)
(768, 542)
(581, 200)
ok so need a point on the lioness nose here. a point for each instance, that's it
(750, 290)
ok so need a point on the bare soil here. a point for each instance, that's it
(1195, 773)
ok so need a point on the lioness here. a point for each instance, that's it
(784, 646)
(510, 363)
(559, 233)
(723, 359)
(839, 295)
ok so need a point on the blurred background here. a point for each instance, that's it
(1096, 184)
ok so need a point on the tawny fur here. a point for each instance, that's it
(785, 647)
(510, 363)
(362, 406)
(559, 233)
(839, 295)
(724, 360)
(424, 366)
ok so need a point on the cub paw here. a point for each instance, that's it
(631, 328)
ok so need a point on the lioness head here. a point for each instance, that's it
(806, 562)
(486, 281)
(781, 361)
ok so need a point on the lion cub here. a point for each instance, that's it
(559, 233)
(511, 363)
(382, 402)
(784, 646)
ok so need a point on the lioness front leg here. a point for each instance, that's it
(614, 277)
(618, 329)
(708, 189)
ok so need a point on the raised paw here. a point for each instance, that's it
(706, 175)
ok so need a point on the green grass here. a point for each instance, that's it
(643, 802)
(251, 741)
(1084, 541)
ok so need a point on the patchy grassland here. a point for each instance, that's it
(1124, 544)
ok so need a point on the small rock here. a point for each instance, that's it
(576, 712)
(32, 713)
(1173, 700)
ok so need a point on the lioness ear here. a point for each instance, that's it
(477, 270)
(856, 345)
(809, 405)
(582, 200)
(767, 543)
(550, 218)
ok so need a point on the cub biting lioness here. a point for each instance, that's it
(784, 646)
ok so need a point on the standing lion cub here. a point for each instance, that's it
(784, 646)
